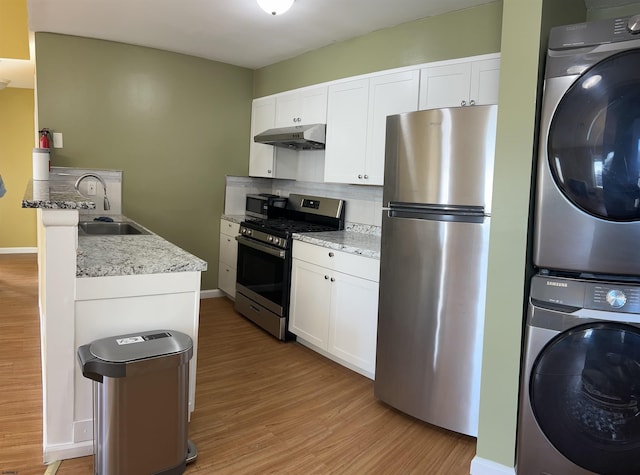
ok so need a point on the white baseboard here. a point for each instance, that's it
(18, 250)
(212, 294)
(53, 453)
(480, 466)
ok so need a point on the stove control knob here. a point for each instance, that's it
(276, 241)
(616, 298)
(270, 238)
(633, 25)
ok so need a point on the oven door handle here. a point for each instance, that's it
(261, 247)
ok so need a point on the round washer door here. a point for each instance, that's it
(594, 139)
(584, 391)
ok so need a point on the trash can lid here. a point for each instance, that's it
(140, 345)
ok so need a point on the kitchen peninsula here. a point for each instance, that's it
(96, 286)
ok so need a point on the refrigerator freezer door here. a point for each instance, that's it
(431, 319)
(441, 156)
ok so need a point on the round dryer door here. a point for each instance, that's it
(585, 394)
(594, 139)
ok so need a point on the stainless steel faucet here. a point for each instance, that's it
(107, 205)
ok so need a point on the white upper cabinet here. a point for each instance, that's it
(308, 106)
(347, 118)
(356, 125)
(460, 84)
(262, 156)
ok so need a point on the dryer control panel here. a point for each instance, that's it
(574, 294)
(594, 33)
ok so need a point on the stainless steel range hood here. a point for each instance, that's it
(298, 137)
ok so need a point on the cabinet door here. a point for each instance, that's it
(485, 81)
(314, 105)
(302, 107)
(288, 110)
(228, 250)
(227, 279)
(261, 156)
(354, 321)
(388, 95)
(347, 112)
(310, 303)
(445, 86)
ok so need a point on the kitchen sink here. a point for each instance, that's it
(100, 228)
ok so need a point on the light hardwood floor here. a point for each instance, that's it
(262, 406)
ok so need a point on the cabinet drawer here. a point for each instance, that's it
(352, 264)
(229, 228)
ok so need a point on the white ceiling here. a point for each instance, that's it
(231, 31)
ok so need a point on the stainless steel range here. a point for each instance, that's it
(264, 257)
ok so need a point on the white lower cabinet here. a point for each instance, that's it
(334, 305)
(228, 257)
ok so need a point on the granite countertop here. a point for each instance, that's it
(364, 244)
(234, 218)
(50, 194)
(100, 256)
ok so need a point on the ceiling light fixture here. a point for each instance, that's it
(275, 7)
(4, 83)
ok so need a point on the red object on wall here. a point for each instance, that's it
(45, 139)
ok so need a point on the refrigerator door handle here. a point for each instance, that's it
(452, 218)
(436, 208)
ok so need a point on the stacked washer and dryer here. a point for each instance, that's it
(580, 387)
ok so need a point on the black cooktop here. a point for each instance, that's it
(284, 227)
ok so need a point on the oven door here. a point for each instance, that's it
(263, 274)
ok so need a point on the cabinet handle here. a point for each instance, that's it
(228, 239)
(366, 177)
(326, 277)
(472, 102)
(463, 103)
(360, 177)
(332, 279)
(331, 254)
(268, 171)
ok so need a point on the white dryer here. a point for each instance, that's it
(587, 216)
(580, 387)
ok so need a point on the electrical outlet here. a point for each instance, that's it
(91, 188)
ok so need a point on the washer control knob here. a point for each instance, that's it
(616, 298)
(633, 25)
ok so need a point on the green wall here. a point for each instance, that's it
(523, 47)
(175, 125)
(458, 34)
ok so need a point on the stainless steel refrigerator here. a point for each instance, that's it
(433, 264)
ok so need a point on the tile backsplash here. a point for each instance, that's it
(112, 178)
(363, 203)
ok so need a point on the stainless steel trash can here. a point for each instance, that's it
(140, 402)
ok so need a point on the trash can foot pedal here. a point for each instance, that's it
(192, 451)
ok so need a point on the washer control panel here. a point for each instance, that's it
(613, 297)
(592, 294)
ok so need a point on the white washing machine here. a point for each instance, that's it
(587, 215)
(580, 387)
